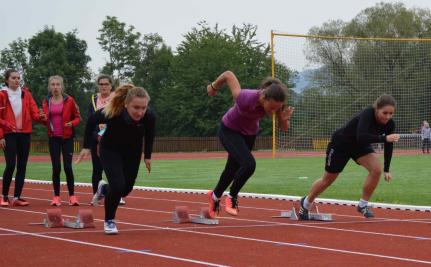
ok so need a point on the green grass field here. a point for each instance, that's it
(287, 176)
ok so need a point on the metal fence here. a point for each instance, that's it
(169, 144)
(202, 144)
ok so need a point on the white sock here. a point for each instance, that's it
(307, 204)
(362, 203)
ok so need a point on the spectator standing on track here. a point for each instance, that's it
(372, 125)
(130, 130)
(426, 137)
(238, 130)
(63, 116)
(17, 110)
(99, 100)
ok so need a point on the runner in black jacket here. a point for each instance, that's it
(372, 125)
(130, 126)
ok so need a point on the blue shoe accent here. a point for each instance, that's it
(110, 227)
(366, 211)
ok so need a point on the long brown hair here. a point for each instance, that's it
(273, 88)
(384, 100)
(123, 95)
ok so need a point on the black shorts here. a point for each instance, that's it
(337, 155)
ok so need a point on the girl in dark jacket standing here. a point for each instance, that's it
(17, 111)
(130, 128)
(63, 115)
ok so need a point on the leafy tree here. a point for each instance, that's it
(201, 57)
(15, 57)
(351, 67)
(153, 68)
(122, 46)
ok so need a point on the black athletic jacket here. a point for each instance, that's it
(363, 130)
(122, 134)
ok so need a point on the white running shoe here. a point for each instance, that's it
(110, 227)
(122, 202)
(100, 194)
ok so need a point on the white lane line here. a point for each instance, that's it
(380, 219)
(122, 249)
(314, 225)
(279, 243)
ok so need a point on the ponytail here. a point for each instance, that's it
(123, 95)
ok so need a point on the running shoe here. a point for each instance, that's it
(303, 212)
(214, 206)
(73, 201)
(100, 194)
(56, 201)
(5, 202)
(122, 202)
(19, 202)
(110, 227)
(366, 211)
(231, 205)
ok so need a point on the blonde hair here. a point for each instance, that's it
(123, 95)
(56, 77)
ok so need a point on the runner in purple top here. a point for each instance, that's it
(238, 130)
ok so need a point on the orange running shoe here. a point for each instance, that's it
(4, 202)
(214, 206)
(231, 205)
(19, 202)
(73, 201)
(56, 201)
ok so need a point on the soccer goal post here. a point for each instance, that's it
(331, 78)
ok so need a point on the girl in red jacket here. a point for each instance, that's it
(17, 110)
(63, 115)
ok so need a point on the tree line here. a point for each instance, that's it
(176, 80)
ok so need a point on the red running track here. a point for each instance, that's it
(254, 238)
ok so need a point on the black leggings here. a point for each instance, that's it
(97, 168)
(426, 145)
(240, 163)
(16, 154)
(57, 147)
(121, 170)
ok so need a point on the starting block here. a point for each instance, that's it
(181, 215)
(84, 219)
(313, 213)
(54, 219)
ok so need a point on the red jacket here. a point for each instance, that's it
(70, 114)
(7, 117)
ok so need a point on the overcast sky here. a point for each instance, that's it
(173, 19)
